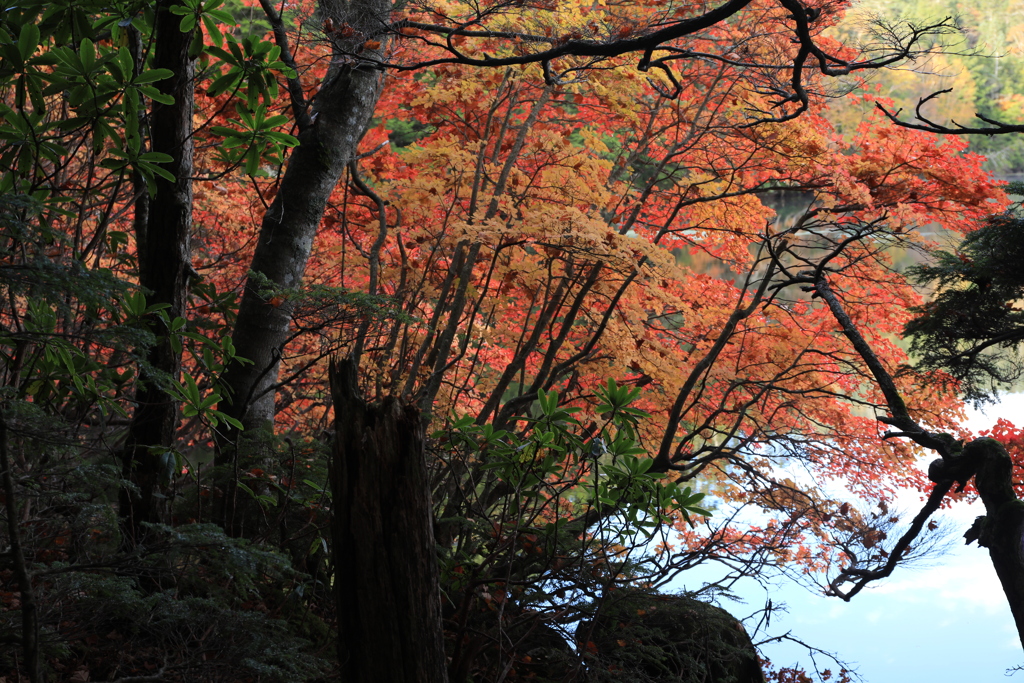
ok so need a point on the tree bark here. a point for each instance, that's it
(342, 110)
(163, 237)
(1001, 530)
(29, 618)
(386, 582)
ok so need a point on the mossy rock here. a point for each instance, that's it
(643, 637)
(542, 654)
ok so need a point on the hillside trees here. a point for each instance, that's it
(558, 223)
(976, 85)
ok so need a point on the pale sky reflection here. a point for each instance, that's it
(947, 622)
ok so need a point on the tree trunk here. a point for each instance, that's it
(1001, 530)
(164, 253)
(343, 107)
(386, 576)
(29, 618)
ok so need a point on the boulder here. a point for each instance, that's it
(652, 638)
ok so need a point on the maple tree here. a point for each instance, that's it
(970, 329)
(569, 272)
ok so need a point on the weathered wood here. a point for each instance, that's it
(386, 575)
(344, 106)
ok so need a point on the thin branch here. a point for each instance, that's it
(995, 127)
(862, 577)
(900, 417)
(300, 107)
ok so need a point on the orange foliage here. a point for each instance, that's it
(601, 230)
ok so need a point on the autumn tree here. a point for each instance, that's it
(969, 330)
(530, 272)
(969, 337)
(567, 280)
(563, 42)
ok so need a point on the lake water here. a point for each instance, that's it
(947, 622)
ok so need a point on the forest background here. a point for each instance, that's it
(531, 256)
(984, 73)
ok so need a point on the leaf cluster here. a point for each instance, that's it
(191, 604)
(550, 511)
(184, 605)
(974, 325)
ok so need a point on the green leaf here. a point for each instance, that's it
(231, 421)
(275, 121)
(195, 48)
(155, 95)
(236, 52)
(135, 304)
(156, 157)
(191, 390)
(188, 22)
(150, 170)
(28, 41)
(248, 115)
(220, 53)
(211, 21)
(88, 55)
(117, 70)
(252, 161)
(225, 131)
(286, 140)
(152, 76)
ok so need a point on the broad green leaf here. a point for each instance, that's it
(28, 41)
(152, 76)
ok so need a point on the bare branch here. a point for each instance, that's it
(995, 127)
